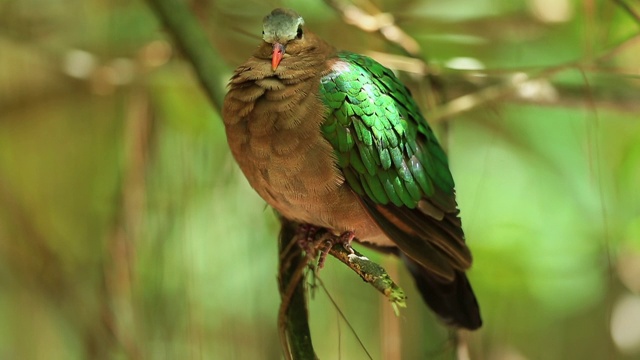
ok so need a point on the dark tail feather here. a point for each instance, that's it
(453, 301)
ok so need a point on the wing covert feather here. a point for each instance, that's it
(392, 160)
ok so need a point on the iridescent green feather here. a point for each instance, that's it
(383, 144)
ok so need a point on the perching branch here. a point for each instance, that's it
(371, 273)
(293, 318)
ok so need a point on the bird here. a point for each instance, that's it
(333, 139)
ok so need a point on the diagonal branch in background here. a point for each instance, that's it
(381, 22)
(191, 39)
(513, 88)
(473, 94)
(626, 7)
(374, 20)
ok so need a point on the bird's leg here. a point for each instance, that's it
(307, 234)
(326, 247)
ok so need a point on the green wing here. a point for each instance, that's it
(391, 158)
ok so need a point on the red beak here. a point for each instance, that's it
(278, 52)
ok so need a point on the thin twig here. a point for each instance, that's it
(342, 315)
(377, 21)
(626, 7)
(508, 88)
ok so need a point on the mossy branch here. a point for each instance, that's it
(371, 273)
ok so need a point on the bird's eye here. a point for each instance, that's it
(262, 32)
(299, 34)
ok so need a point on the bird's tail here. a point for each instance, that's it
(453, 301)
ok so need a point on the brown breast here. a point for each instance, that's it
(272, 120)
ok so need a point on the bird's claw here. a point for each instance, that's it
(310, 241)
(346, 238)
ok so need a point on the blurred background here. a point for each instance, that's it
(128, 232)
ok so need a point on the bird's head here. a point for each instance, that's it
(283, 30)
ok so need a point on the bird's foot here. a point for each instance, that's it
(312, 239)
(344, 239)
